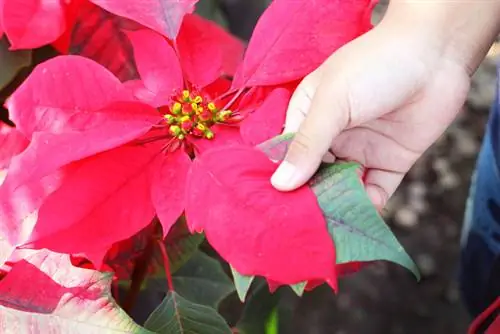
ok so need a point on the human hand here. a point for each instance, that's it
(381, 100)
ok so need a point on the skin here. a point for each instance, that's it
(387, 96)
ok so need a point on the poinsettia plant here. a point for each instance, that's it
(148, 143)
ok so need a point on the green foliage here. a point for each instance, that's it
(177, 315)
(358, 230)
(201, 280)
(11, 62)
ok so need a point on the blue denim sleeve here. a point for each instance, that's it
(480, 255)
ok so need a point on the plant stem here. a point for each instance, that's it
(138, 276)
(166, 264)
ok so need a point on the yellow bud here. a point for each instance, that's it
(175, 130)
(224, 115)
(209, 134)
(176, 108)
(212, 107)
(185, 118)
(201, 127)
(169, 118)
(186, 96)
(194, 106)
(198, 99)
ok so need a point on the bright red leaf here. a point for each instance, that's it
(1, 18)
(19, 206)
(101, 36)
(292, 38)
(12, 142)
(267, 120)
(207, 51)
(31, 23)
(158, 65)
(164, 16)
(259, 230)
(83, 135)
(59, 88)
(168, 187)
(113, 202)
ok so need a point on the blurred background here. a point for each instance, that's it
(426, 215)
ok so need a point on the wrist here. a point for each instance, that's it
(453, 31)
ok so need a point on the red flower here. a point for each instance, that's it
(116, 162)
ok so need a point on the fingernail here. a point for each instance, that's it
(284, 176)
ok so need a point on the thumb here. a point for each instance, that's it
(328, 115)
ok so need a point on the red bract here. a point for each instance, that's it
(259, 230)
(32, 23)
(292, 38)
(80, 115)
(164, 16)
(12, 142)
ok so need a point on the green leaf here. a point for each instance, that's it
(242, 283)
(181, 245)
(210, 9)
(299, 288)
(258, 309)
(11, 62)
(272, 322)
(358, 230)
(276, 148)
(44, 293)
(177, 315)
(201, 280)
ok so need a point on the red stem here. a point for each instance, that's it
(138, 275)
(166, 263)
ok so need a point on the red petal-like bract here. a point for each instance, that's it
(101, 36)
(164, 16)
(19, 206)
(158, 65)
(32, 23)
(267, 121)
(103, 199)
(292, 38)
(12, 142)
(83, 135)
(60, 88)
(207, 51)
(257, 229)
(225, 135)
(1, 18)
(169, 186)
(494, 327)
